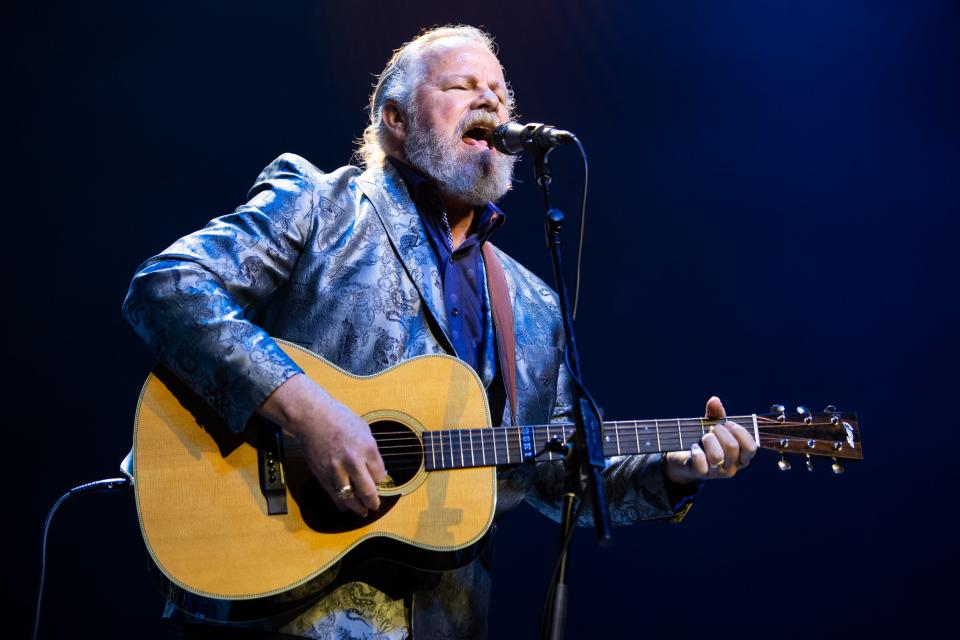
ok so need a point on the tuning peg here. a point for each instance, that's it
(778, 411)
(805, 413)
(809, 463)
(783, 463)
(837, 467)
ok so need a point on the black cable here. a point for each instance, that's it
(110, 484)
(547, 611)
(583, 217)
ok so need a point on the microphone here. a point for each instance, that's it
(512, 138)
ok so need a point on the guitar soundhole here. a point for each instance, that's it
(401, 450)
(402, 453)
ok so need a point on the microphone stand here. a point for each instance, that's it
(584, 458)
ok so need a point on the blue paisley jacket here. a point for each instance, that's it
(340, 263)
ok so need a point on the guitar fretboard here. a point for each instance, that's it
(502, 446)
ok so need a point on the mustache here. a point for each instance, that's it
(478, 119)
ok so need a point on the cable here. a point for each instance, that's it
(547, 611)
(583, 217)
(110, 484)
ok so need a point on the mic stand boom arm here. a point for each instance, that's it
(584, 459)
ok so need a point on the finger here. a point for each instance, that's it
(377, 469)
(731, 448)
(748, 446)
(364, 487)
(715, 408)
(344, 491)
(698, 461)
(713, 450)
(333, 492)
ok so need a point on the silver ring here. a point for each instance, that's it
(718, 466)
(345, 492)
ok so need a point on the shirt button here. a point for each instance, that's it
(455, 312)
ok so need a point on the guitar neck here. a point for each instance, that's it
(505, 446)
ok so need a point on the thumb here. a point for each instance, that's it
(715, 408)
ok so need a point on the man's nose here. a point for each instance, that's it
(487, 100)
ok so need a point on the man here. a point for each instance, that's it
(368, 269)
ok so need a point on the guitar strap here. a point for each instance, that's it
(502, 311)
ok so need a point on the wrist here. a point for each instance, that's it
(285, 406)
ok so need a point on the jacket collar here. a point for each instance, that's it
(408, 238)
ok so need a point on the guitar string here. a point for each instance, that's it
(451, 447)
(688, 424)
(491, 435)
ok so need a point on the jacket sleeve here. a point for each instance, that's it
(190, 303)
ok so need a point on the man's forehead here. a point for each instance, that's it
(457, 56)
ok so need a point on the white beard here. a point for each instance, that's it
(467, 175)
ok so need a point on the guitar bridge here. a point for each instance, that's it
(270, 462)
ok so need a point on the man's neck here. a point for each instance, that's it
(460, 217)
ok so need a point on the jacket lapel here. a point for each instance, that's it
(398, 214)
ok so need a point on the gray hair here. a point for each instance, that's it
(397, 81)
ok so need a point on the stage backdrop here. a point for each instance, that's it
(772, 218)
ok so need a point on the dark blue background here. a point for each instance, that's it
(772, 218)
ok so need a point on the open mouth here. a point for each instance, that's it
(478, 136)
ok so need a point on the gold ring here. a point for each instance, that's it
(718, 466)
(345, 492)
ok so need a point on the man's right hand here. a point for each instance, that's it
(337, 444)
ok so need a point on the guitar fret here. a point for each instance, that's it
(680, 433)
(656, 425)
(616, 432)
(493, 443)
(507, 443)
(460, 435)
(483, 448)
(549, 453)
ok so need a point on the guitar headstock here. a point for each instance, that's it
(833, 434)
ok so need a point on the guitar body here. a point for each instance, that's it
(202, 506)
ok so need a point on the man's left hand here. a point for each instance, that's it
(721, 453)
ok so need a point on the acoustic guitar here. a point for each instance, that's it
(239, 516)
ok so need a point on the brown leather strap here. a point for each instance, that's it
(502, 310)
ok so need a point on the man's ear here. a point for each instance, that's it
(395, 121)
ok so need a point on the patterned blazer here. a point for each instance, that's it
(341, 264)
